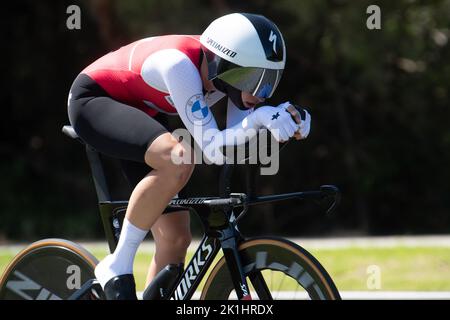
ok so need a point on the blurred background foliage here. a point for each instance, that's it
(379, 101)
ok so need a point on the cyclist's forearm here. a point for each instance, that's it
(240, 133)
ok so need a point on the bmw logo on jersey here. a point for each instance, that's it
(197, 110)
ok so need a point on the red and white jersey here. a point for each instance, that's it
(125, 74)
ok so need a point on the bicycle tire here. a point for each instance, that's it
(49, 269)
(260, 255)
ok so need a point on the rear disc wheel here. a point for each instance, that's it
(50, 269)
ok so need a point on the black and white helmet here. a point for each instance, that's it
(246, 51)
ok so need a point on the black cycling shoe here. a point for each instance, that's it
(122, 287)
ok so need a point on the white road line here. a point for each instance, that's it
(308, 243)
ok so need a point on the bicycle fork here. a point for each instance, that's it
(229, 244)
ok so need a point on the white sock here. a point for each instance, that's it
(121, 261)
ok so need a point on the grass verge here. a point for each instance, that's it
(353, 268)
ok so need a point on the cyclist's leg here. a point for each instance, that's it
(171, 232)
(152, 194)
(172, 236)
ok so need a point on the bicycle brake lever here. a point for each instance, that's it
(331, 191)
(243, 201)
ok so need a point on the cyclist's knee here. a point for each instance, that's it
(180, 164)
(172, 157)
(178, 175)
(177, 243)
(182, 242)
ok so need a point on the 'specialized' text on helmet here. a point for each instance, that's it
(246, 51)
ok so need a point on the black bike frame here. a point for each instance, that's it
(219, 219)
(221, 232)
(217, 215)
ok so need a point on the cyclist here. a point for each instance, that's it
(115, 106)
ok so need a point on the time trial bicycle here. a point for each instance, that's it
(262, 268)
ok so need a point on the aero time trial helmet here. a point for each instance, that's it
(246, 51)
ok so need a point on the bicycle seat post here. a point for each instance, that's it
(98, 174)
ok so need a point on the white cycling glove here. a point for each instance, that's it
(277, 120)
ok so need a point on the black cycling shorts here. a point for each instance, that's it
(113, 128)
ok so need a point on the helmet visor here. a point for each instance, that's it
(258, 82)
